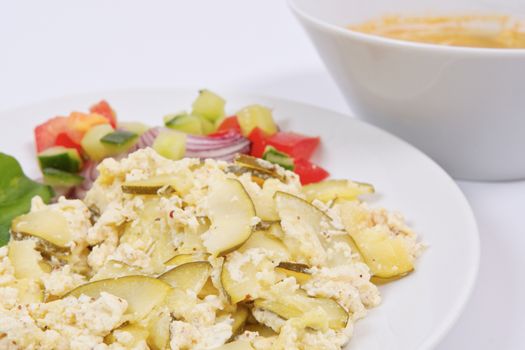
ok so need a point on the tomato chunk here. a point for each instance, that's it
(309, 172)
(230, 124)
(104, 109)
(63, 140)
(46, 133)
(259, 142)
(68, 131)
(296, 145)
(79, 123)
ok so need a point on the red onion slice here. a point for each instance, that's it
(223, 147)
(237, 146)
(146, 139)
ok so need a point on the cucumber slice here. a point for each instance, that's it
(329, 190)
(61, 158)
(190, 124)
(256, 116)
(180, 259)
(142, 293)
(315, 312)
(207, 126)
(230, 210)
(190, 276)
(386, 256)
(209, 105)
(300, 272)
(168, 117)
(91, 144)
(136, 127)
(274, 156)
(264, 240)
(119, 138)
(170, 144)
(119, 141)
(59, 178)
(258, 167)
(26, 260)
(151, 185)
(46, 224)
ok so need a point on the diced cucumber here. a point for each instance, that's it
(62, 158)
(190, 124)
(59, 178)
(91, 144)
(136, 127)
(207, 126)
(209, 105)
(119, 138)
(170, 144)
(255, 116)
(119, 141)
(274, 156)
(218, 122)
(167, 118)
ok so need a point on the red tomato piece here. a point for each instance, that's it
(230, 124)
(46, 133)
(219, 133)
(259, 142)
(309, 172)
(104, 109)
(63, 140)
(296, 145)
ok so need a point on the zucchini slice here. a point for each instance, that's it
(317, 313)
(45, 224)
(230, 210)
(189, 276)
(336, 189)
(141, 292)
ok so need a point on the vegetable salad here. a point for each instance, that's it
(70, 147)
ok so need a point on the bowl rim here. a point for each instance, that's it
(397, 43)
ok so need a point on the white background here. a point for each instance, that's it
(55, 48)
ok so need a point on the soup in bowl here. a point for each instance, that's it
(458, 98)
(488, 31)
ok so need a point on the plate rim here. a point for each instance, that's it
(455, 312)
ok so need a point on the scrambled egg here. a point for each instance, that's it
(229, 261)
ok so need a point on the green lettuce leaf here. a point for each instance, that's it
(16, 192)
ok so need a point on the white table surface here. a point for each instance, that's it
(54, 48)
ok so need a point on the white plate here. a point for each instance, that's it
(416, 311)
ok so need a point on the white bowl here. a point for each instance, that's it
(465, 107)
